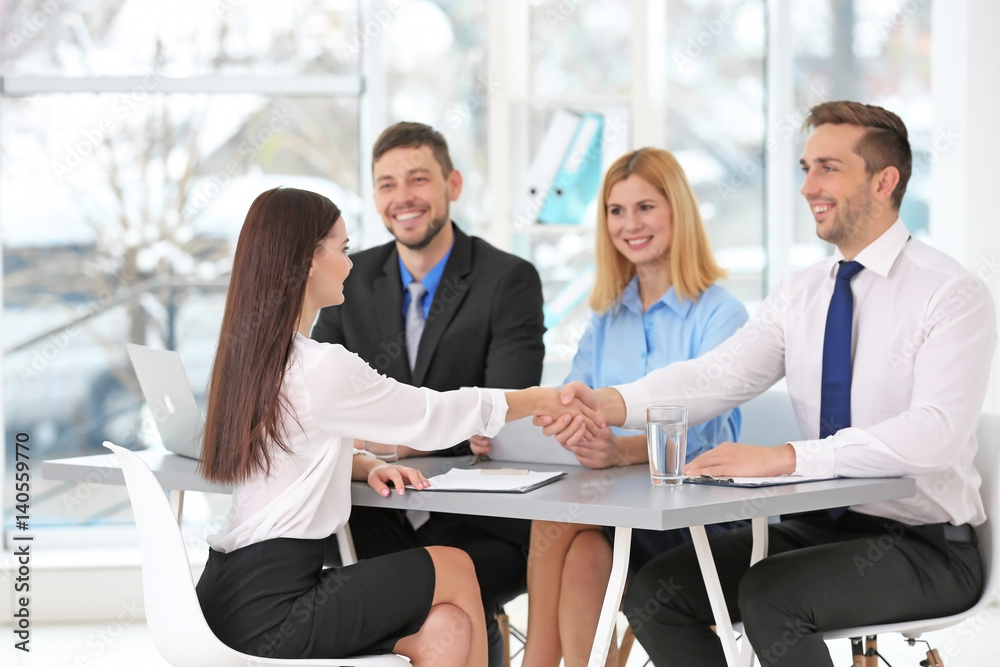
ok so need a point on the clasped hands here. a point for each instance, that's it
(581, 417)
(572, 414)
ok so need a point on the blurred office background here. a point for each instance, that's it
(134, 134)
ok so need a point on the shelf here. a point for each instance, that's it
(588, 101)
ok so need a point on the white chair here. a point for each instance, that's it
(988, 464)
(173, 613)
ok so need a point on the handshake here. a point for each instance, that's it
(574, 414)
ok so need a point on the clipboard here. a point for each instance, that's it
(754, 482)
(486, 480)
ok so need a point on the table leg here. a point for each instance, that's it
(723, 623)
(177, 504)
(612, 598)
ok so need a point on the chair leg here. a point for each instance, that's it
(857, 652)
(933, 658)
(871, 651)
(504, 623)
(627, 640)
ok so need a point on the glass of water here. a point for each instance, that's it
(666, 438)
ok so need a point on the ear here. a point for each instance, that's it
(885, 183)
(454, 184)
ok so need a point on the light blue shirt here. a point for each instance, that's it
(624, 344)
(430, 282)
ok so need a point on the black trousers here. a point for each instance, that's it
(820, 575)
(498, 549)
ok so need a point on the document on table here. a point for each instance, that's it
(780, 480)
(503, 480)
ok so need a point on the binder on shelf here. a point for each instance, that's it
(544, 169)
(579, 176)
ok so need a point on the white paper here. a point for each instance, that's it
(458, 479)
(779, 480)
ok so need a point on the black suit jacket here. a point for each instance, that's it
(484, 328)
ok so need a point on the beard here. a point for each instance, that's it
(853, 218)
(433, 229)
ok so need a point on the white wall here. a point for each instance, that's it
(965, 178)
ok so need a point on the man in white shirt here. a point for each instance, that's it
(886, 347)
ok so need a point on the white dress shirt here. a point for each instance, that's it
(336, 397)
(924, 335)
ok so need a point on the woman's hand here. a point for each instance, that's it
(380, 476)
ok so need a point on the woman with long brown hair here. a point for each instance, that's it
(283, 414)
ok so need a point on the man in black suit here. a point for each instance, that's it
(473, 317)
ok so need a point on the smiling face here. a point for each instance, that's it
(413, 195)
(640, 221)
(330, 267)
(845, 200)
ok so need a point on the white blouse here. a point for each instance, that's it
(336, 397)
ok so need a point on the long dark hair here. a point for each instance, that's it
(275, 250)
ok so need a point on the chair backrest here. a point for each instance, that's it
(768, 419)
(172, 607)
(173, 614)
(988, 464)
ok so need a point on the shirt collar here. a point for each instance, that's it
(433, 277)
(632, 300)
(879, 255)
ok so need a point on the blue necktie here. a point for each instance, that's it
(835, 398)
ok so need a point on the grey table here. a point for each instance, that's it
(620, 497)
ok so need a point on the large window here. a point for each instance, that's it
(134, 136)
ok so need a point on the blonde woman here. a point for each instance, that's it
(655, 302)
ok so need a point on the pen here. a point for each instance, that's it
(479, 458)
(705, 477)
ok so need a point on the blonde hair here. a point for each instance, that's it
(693, 268)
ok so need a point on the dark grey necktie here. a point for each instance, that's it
(414, 321)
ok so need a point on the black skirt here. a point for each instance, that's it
(274, 599)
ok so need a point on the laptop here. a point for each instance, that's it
(523, 442)
(168, 393)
